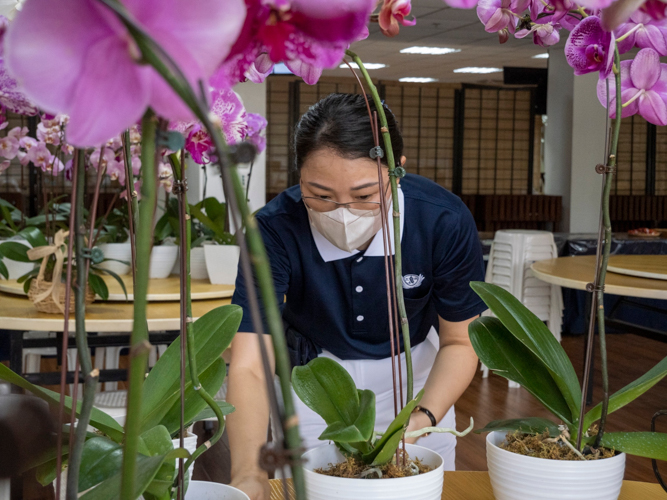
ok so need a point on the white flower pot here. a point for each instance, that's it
(118, 251)
(190, 444)
(518, 477)
(15, 268)
(206, 490)
(198, 269)
(423, 487)
(222, 263)
(162, 261)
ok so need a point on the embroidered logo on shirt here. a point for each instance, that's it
(412, 280)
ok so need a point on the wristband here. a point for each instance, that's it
(428, 413)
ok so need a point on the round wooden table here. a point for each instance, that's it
(577, 272)
(159, 290)
(477, 486)
(642, 266)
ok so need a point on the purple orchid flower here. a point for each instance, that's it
(11, 97)
(307, 35)
(589, 48)
(76, 57)
(498, 16)
(393, 13)
(643, 88)
(644, 32)
(256, 125)
(544, 35)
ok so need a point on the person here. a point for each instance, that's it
(325, 245)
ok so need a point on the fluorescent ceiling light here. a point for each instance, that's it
(416, 79)
(431, 51)
(542, 56)
(366, 65)
(477, 70)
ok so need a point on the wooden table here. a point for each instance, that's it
(577, 272)
(642, 266)
(476, 486)
(159, 290)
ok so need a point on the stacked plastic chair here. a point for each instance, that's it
(512, 254)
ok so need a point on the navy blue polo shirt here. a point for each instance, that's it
(338, 299)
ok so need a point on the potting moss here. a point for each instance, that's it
(543, 446)
(354, 469)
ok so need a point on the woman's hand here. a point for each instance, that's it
(418, 420)
(256, 487)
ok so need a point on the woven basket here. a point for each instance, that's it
(48, 305)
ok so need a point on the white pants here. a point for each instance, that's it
(375, 374)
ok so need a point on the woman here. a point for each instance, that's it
(325, 245)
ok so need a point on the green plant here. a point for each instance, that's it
(114, 227)
(211, 216)
(327, 389)
(160, 416)
(518, 346)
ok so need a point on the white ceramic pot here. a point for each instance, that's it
(198, 269)
(15, 268)
(222, 262)
(423, 487)
(206, 490)
(118, 251)
(162, 260)
(518, 477)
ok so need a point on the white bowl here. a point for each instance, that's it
(206, 490)
(118, 251)
(423, 487)
(162, 260)
(222, 262)
(518, 477)
(198, 269)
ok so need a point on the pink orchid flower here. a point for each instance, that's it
(137, 189)
(25, 145)
(643, 88)
(497, 16)
(39, 155)
(590, 48)
(76, 57)
(393, 13)
(116, 171)
(256, 125)
(228, 107)
(18, 132)
(198, 143)
(307, 35)
(544, 35)
(461, 4)
(9, 147)
(4, 165)
(644, 32)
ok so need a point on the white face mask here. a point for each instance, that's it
(348, 229)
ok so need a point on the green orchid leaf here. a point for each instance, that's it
(213, 333)
(98, 418)
(341, 433)
(397, 426)
(33, 236)
(207, 412)
(4, 272)
(215, 210)
(325, 387)
(630, 392)
(115, 276)
(388, 449)
(7, 214)
(217, 229)
(641, 444)
(503, 353)
(211, 380)
(98, 285)
(101, 459)
(45, 473)
(531, 425)
(147, 468)
(158, 441)
(534, 334)
(15, 251)
(365, 422)
(28, 275)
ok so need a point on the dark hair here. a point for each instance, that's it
(341, 122)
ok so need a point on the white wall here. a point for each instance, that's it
(574, 144)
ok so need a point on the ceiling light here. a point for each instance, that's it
(477, 70)
(281, 69)
(431, 51)
(416, 79)
(366, 65)
(542, 56)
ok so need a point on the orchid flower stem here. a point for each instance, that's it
(139, 345)
(391, 162)
(91, 375)
(605, 254)
(132, 202)
(582, 11)
(155, 56)
(186, 232)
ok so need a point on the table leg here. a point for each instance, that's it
(16, 351)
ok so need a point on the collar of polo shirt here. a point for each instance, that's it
(330, 252)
